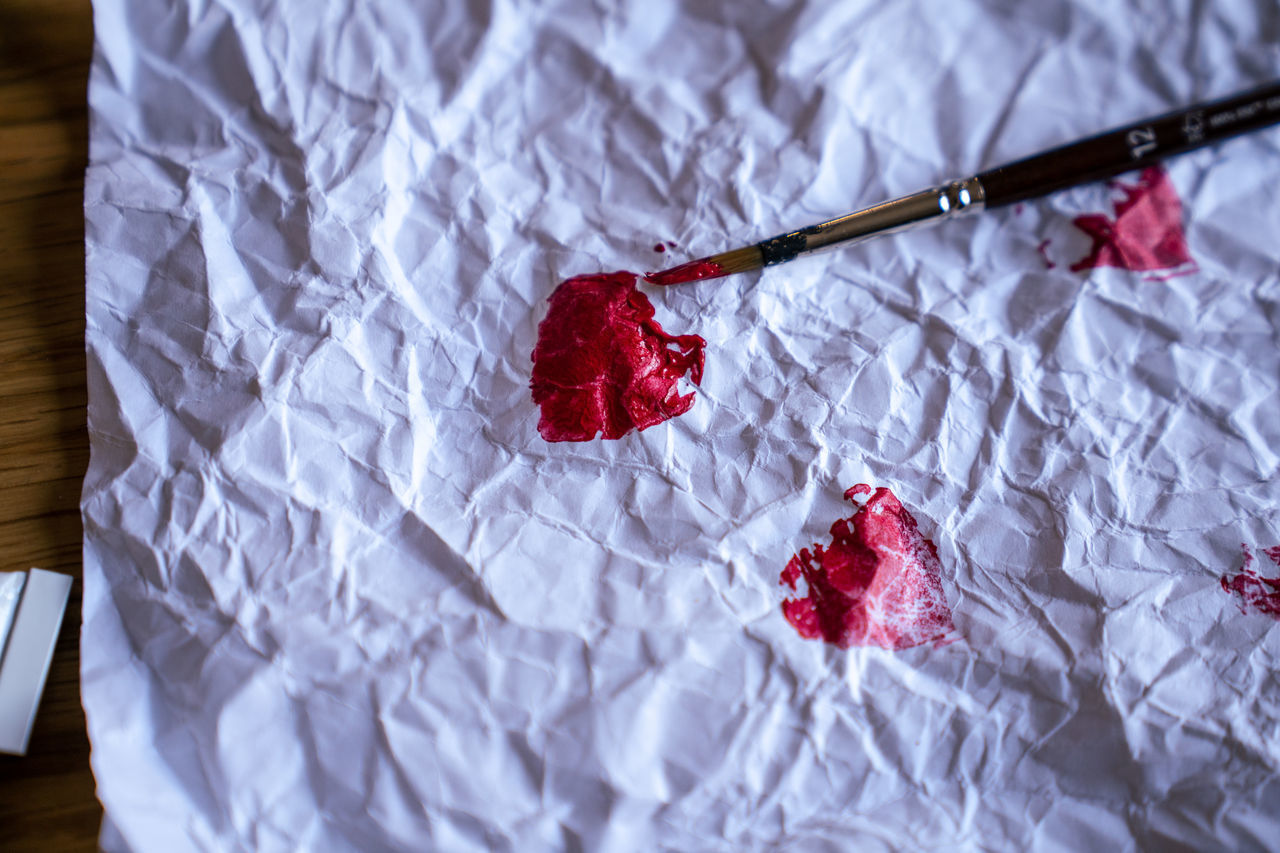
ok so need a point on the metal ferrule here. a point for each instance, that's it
(931, 205)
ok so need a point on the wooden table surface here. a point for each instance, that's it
(47, 800)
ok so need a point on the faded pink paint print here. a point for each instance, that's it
(879, 582)
(1254, 592)
(1145, 233)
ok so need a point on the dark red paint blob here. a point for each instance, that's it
(1043, 249)
(879, 582)
(603, 365)
(1146, 233)
(658, 247)
(1254, 591)
(692, 271)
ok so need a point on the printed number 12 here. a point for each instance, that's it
(1142, 141)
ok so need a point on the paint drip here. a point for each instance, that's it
(1256, 593)
(1146, 231)
(879, 582)
(603, 366)
(1043, 249)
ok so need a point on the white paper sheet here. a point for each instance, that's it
(339, 594)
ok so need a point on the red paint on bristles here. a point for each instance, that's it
(692, 271)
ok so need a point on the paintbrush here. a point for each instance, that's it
(1120, 150)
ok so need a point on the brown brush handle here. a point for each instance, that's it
(1120, 150)
(1131, 147)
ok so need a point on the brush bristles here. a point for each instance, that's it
(739, 260)
(727, 263)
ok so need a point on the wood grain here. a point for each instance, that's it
(47, 800)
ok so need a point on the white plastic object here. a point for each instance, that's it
(28, 651)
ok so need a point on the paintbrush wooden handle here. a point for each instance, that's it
(1131, 147)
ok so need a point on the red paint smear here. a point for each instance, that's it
(1256, 592)
(602, 364)
(1043, 249)
(692, 271)
(1146, 233)
(879, 582)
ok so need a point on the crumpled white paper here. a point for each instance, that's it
(339, 595)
